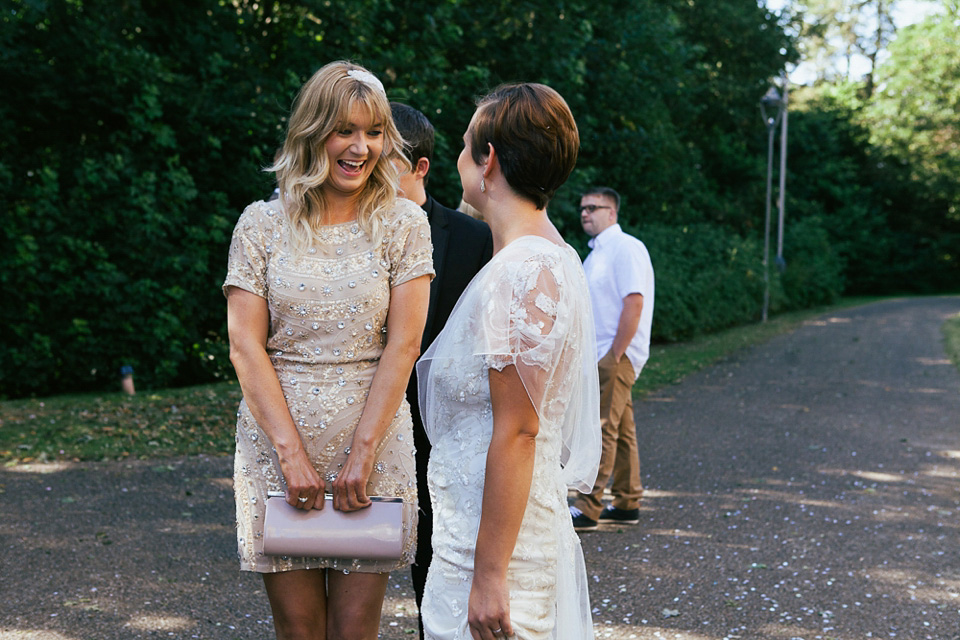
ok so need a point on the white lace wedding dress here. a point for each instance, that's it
(529, 308)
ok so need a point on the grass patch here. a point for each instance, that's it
(115, 426)
(173, 422)
(951, 339)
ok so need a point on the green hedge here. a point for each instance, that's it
(134, 133)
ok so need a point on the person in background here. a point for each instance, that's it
(327, 290)
(461, 246)
(620, 279)
(468, 209)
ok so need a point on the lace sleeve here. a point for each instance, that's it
(529, 308)
(251, 244)
(521, 328)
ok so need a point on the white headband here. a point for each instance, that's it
(367, 78)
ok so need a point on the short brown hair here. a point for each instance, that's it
(607, 192)
(417, 131)
(535, 137)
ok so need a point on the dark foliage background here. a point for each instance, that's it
(133, 133)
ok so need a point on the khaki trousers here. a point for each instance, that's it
(620, 456)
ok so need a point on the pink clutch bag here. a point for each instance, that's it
(374, 533)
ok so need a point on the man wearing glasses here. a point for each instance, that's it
(620, 279)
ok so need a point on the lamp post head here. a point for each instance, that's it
(770, 100)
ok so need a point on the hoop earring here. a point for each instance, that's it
(483, 187)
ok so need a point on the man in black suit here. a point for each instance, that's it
(461, 246)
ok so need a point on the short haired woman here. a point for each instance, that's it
(509, 393)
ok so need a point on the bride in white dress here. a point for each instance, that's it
(509, 394)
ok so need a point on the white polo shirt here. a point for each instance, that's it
(617, 266)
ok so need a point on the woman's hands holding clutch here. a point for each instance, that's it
(350, 487)
(305, 487)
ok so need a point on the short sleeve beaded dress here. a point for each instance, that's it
(328, 311)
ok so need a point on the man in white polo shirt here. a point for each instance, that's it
(620, 279)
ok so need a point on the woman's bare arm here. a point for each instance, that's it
(506, 489)
(248, 321)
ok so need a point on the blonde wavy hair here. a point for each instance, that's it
(322, 107)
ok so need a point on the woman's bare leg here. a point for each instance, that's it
(299, 603)
(354, 603)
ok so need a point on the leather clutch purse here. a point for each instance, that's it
(373, 533)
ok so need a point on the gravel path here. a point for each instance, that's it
(804, 489)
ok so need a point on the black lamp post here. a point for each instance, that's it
(771, 108)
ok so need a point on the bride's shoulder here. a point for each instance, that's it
(532, 250)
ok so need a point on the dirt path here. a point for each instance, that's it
(807, 488)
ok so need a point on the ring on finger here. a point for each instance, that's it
(301, 500)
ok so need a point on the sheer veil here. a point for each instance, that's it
(534, 313)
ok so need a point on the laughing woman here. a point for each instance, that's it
(327, 290)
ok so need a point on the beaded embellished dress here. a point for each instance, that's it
(328, 311)
(527, 308)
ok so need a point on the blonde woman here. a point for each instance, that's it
(327, 290)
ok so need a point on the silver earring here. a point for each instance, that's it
(483, 187)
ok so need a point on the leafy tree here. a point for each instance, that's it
(739, 47)
(148, 122)
(837, 30)
(913, 120)
(120, 178)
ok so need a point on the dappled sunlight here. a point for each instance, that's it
(767, 494)
(937, 595)
(826, 504)
(660, 494)
(931, 362)
(789, 498)
(223, 483)
(823, 322)
(677, 533)
(876, 385)
(907, 583)
(160, 623)
(953, 454)
(41, 468)
(776, 631)
(57, 542)
(627, 631)
(887, 387)
(186, 527)
(876, 476)
(889, 515)
(33, 634)
(774, 482)
(941, 472)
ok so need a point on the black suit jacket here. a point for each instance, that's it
(461, 246)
